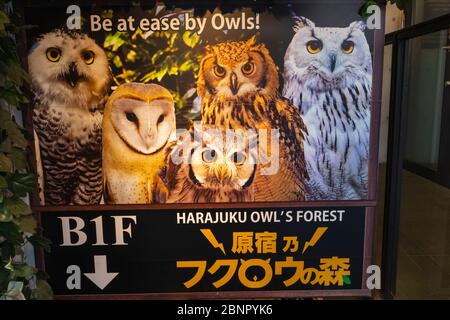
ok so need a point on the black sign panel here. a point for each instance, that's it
(205, 250)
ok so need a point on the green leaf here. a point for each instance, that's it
(38, 241)
(363, 10)
(5, 215)
(186, 66)
(23, 270)
(161, 73)
(3, 182)
(347, 280)
(27, 223)
(171, 38)
(114, 40)
(107, 14)
(22, 183)
(18, 139)
(190, 38)
(18, 158)
(11, 232)
(6, 146)
(17, 207)
(5, 163)
(157, 54)
(117, 62)
(131, 56)
(43, 291)
(13, 129)
(173, 70)
(9, 265)
(4, 20)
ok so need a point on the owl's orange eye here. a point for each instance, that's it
(209, 155)
(347, 46)
(248, 68)
(314, 46)
(219, 71)
(53, 54)
(238, 158)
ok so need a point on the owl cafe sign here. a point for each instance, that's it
(205, 150)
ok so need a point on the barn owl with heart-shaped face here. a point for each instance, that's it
(138, 124)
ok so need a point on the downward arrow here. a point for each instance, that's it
(101, 278)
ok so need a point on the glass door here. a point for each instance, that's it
(426, 86)
(416, 235)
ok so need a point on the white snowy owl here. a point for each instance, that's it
(70, 79)
(328, 76)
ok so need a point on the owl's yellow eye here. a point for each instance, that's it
(88, 56)
(53, 54)
(314, 46)
(248, 68)
(209, 155)
(219, 71)
(238, 158)
(347, 46)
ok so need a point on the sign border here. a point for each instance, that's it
(370, 204)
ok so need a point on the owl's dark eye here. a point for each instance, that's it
(238, 158)
(209, 155)
(347, 46)
(131, 117)
(53, 54)
(88, 56)
(314, 46)
(160, 119)
(248, 68)
(219, 71)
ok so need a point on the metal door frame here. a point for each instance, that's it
(396, 144)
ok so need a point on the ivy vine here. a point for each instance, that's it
(18, 279)
(364, 13)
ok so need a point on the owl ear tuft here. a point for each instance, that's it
(208, 49)
(358, 25)
(301, 22)
(251, 42)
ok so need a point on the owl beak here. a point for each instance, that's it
(149, 140)
(72, 76)
(332, 62)
(234, 85)
(223, 173)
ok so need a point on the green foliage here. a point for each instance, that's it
(17, 224)
(169, 59)
(363, 10)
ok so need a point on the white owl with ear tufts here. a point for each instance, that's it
(328, 76)
(138, 124)
(70, 78)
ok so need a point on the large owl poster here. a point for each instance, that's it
(173, 105)
(297, 97)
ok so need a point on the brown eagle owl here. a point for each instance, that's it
(238, 83)
(202, 168)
